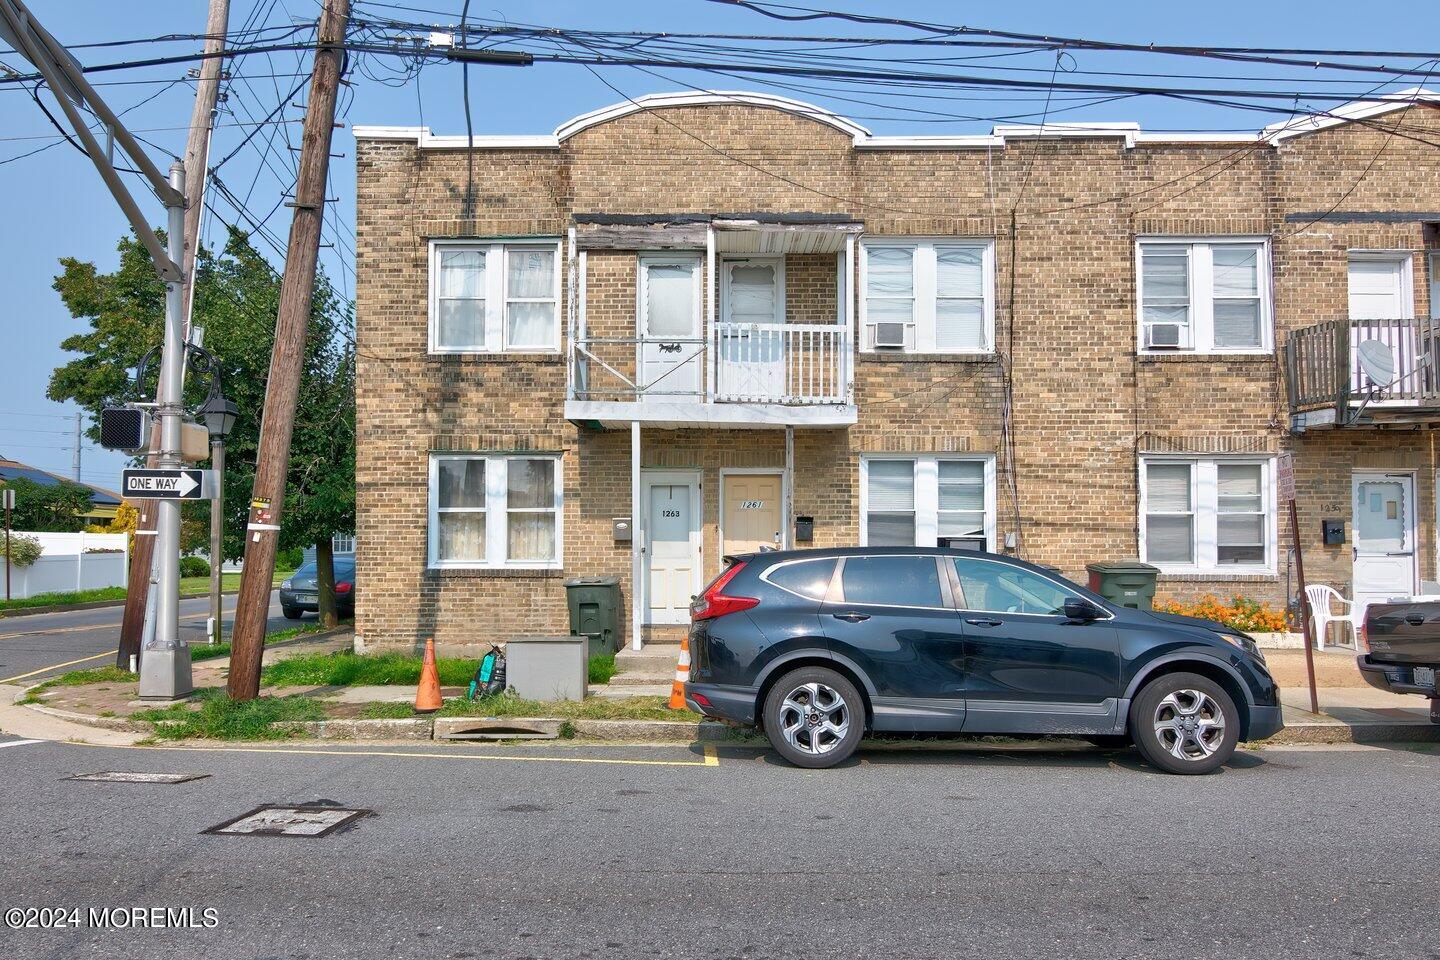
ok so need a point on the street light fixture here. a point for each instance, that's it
(219, 414)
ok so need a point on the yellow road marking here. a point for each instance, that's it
(197, 623)
(57, 666)
(710, 757)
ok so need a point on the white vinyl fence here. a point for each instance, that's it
(71, 561)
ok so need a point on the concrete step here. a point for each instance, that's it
(651, 652)
(644, 677)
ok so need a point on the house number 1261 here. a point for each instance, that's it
(752, 504)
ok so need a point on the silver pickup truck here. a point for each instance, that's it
(1403, 649)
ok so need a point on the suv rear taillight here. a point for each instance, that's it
(715, 602)
(1362, 633)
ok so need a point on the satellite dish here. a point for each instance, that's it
(1377, 361)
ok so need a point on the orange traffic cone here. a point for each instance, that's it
(427, 694)
(682, 674)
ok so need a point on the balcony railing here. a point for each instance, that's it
(1323, 368)
(790, 364)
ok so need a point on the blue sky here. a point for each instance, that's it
(55, 205)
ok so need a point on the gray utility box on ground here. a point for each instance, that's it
(595, 611)
(1130, 583)
(547, 668)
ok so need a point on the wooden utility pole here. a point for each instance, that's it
(272, 459)
(197, 158)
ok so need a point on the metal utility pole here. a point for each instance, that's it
(9, 497)
(197, 150)
(75, 460)
(217, 536)
(73, 93)
(272, 459)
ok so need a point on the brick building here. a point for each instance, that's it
(716, 317)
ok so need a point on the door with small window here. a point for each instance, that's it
(751, 362)
(1383, 553)
(671, 345)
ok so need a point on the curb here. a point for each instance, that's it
(1321, 733)
(87, 719)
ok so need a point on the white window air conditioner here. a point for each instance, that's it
(1164, 336)
(890, 335)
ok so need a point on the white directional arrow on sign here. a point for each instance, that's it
(187, 483)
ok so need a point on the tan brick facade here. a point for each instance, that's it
(1085, 403)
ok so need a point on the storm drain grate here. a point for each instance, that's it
(299, 821)
(123, 776)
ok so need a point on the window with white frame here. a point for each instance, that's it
(495, 297)
(1207, 514)
(1205, 296)
(928, 296)
(915, 501)
(495, 510)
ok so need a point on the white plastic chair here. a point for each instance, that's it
(1322, 613)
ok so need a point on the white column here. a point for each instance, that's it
(787, 484)
(712, 336)
(637, 542)
(852, 336)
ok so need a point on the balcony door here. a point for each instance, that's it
(1380, 309)
(668, 316)
(751, 362)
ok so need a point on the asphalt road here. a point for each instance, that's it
(45, 644)
(567, 851)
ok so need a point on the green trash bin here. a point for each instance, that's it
(1130, 583)
(595, 611)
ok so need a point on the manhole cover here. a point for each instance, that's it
(300, 821)
(122, 776)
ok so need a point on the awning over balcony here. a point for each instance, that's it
(735, 233)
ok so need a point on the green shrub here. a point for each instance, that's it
(194, 567)
(289, 559)
(24, 551)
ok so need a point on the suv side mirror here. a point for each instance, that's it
(1077, 608)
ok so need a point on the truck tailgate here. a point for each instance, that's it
(1407, 632)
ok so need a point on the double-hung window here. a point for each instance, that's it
(1207, 514)
(495, 511)
(916, 501)
(1204, 296)
(495, 297)
(928, 296)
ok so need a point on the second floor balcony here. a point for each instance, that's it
(739, 323)
(1363, 373)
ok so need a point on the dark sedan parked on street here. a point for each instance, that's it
(301, 592)
(820, 646)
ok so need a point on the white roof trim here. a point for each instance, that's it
(864, 139)
(1358, 110)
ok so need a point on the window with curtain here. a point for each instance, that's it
(494, 297)
(1204, 295)
(915, 501)
(753, 293)
(942, 291)
(890, 510)
(494, 510)
(460, 300)
(1208, 514)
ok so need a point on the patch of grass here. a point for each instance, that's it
(602, 668)
(229, 582)
(213, 716)
(80, 678)
(509, 705)
(346, 669)
(208, 651)
(60, 598)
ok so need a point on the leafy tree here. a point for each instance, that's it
(237, 295)
(50, 507)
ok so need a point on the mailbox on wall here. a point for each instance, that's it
(804, 529)
(621, 530)
(1332, 532)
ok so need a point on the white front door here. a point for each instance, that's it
(1378, 292)
(672, 545)
(668, 317)
(751, 365)
(1384, 536)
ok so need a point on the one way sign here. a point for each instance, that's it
(167, 484)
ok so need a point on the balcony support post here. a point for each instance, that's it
(851, 337)
(787, 491)
(637, 542)
(1342, 372)
(711, 332)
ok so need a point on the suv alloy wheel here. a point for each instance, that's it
(1185, 723)
(814, 717)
